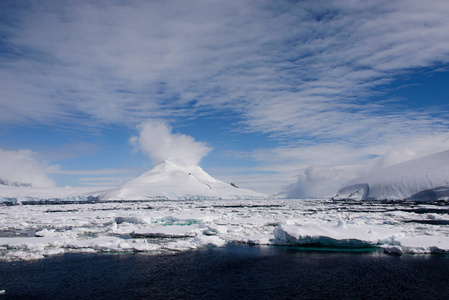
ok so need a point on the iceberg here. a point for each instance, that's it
(421, 179)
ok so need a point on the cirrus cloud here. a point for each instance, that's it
(314, 75)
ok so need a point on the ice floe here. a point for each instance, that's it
(338, 235)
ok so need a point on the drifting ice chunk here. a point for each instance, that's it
(103, 243)
(424, 244)
(30, 248)
(31, 243)
(180, 245)
(394, 250)
(209, 241)
(133, 220)
(340, 235)
(166, 231)
(256, 240)
(21, 255)
(53, 251)
(144, 247)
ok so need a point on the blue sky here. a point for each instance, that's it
(300, 93)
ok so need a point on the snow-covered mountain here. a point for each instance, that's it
(177, 181)
(425, 178)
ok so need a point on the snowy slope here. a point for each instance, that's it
(176, 181)
(425, 178)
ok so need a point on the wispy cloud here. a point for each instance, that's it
(283, 65)
(307, 73)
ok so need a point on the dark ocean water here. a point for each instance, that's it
(235, 272)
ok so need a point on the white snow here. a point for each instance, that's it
(425, 178)
(170, 180)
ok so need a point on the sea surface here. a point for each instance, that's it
(232, 272)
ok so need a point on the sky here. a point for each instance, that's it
(282, 96)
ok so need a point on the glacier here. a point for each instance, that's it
(421, 179)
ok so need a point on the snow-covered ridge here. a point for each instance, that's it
(169, 180)
(425, 178)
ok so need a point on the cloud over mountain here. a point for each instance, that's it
(157, 139)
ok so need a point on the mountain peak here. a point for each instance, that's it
(175, 180)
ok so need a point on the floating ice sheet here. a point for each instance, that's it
(338, 235)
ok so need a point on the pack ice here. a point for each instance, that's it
(161, 226)
(422, 179)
